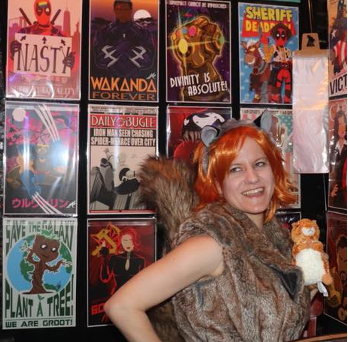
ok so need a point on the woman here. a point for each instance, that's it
(229, 272)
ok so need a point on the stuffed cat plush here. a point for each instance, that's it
(308, 253)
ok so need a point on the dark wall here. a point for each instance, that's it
(313, 186)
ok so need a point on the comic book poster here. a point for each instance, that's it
(39, 273)
(117, 250)
(184, 125)
(287, 218)
(268, 34)
(281, 129)
(43, 49)
(335, 304)
(337, 20)
(41, 150)
(338, 154)
(198, 51)
(123, 50)
(119, 139)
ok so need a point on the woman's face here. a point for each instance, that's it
(249, 184)
(127, 243)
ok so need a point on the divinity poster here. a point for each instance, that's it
(117, 250)
(123, 50)
(184, 125)
(198, 51)
(41, 150)
(281, 129)
(39, 273)
(268, 34)
(337, 17)
(120, 138)
(43, 49)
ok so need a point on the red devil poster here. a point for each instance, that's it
(43, 49)
(117, 250)
(268, 34)
(123, 50)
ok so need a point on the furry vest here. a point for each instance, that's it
(259, 297)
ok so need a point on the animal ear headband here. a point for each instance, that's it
(210, 134)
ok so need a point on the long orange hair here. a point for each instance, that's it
(221, 154)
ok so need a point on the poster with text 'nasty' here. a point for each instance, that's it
(268, 34)
(123, 50)
(120, 138)
(41, 149)
(39, 273)
(281, 130)
(198, 51)
(43, 49)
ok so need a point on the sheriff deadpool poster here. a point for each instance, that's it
(43, 49)
(123, 50)
(268, 34)
(198, 51)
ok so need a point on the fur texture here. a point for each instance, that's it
(167, 185)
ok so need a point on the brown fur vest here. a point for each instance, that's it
(259, 297)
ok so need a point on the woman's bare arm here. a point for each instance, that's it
(194, 259)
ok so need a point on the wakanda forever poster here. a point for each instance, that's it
(43, 49)
(198, 51)
(268, 34)
(123, 50)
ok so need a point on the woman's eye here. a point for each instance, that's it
(235, 169)
(260, 164)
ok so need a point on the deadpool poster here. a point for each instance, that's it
(43, 49)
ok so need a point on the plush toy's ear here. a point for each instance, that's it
(294, 225)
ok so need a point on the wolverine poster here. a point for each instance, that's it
(41, 149)
(120, 138)
(39, 273)
(198, 51)
(123, 50)
(337, 17)
(117, 250)
(268, 34)
(43, 49)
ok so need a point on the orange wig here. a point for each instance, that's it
(221, 154)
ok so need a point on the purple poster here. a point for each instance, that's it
(198, 51)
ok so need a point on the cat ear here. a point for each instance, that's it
(209, 134)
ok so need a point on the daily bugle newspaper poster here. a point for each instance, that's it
(281, 130)
(120, 138)
(338, 153)
(43, 49)
(39, 273)
(268, 34)
(184, 125)
(117, 250)
(337, 17)
(123, 50)
(335, 304)
(198, 51)
(41, 149)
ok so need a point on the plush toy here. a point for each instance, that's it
(308, 253)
